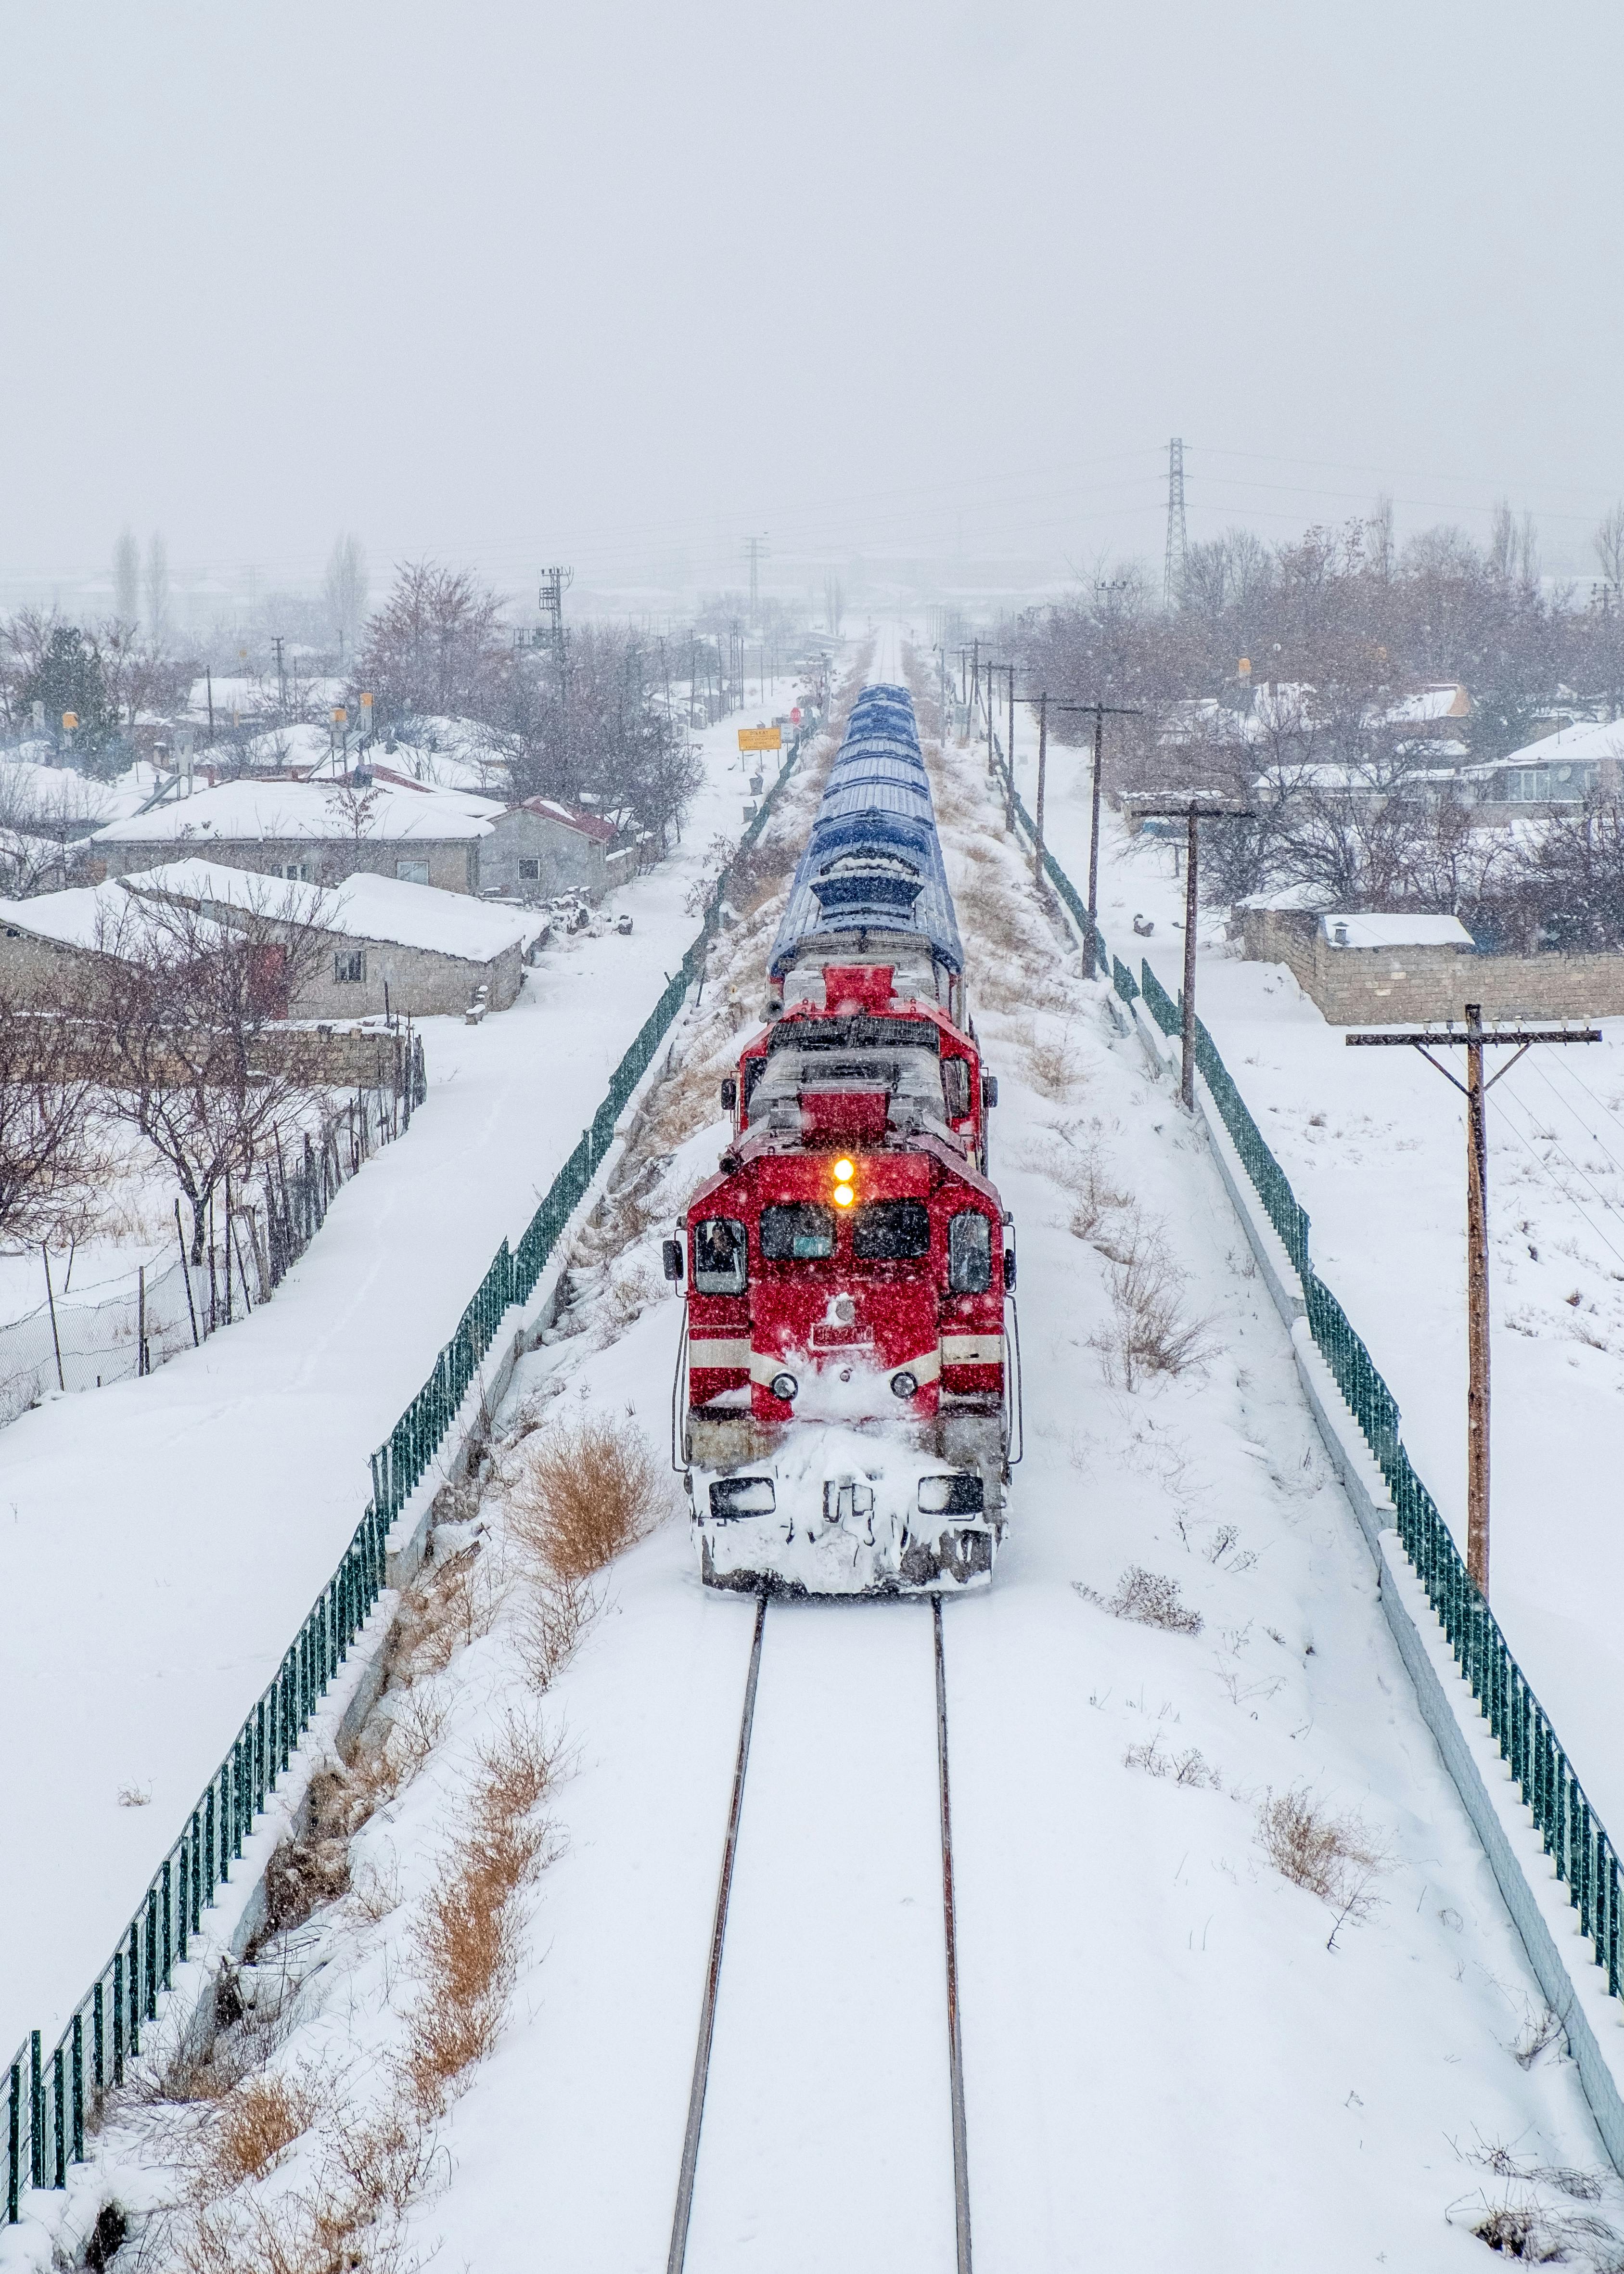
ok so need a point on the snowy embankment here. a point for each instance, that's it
(1178, 1702)
(1374, 1144)
(161, 1539)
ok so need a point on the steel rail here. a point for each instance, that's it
(713, 1974)
(955, 2036)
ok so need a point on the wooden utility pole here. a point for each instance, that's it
(1475, 1037)
(1190, 807)
(1101, 711)
(1037, 852)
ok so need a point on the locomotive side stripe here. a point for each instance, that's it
(764, 1364)
(972, 1350)
(732, 1351)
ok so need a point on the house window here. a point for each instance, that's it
(349, 967)
(530, 872)
(296, 872)
(412, 873)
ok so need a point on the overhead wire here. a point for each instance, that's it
(1542, 1164)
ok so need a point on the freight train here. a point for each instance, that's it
(847, 1391)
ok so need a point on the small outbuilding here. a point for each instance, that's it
(538, 849)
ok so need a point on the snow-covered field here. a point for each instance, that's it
(1175, 2055)
(1373, 1142)
(161, 1539)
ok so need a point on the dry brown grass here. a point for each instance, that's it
(1053, 1065)
(468, 1934)
(1336, 1858)
(587, 1490)
(1147, 1598)
(258, 2121)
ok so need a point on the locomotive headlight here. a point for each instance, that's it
(844, 1191)
(903, 1384)
(784, 1386)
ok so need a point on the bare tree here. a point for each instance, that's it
(1609, 544)
(185, 1013)
(51, 1154)
(436, 646)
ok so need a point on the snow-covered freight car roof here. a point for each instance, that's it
(872, 861)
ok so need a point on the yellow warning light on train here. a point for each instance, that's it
(845, 1193)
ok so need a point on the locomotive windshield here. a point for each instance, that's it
(891, 1231)
(797, 1231)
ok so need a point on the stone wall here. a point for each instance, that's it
(1381, 986)
(454, 862)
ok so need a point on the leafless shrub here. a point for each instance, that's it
(1054, 1066)
(589, 1489)
(134, 1796)
(1147, 1598)
(1583, 2187)
(1538, 2033)
(1336, 1858)
(1151, 1333)
(1541, 2237)
(548, 1622)
(1189, 1767)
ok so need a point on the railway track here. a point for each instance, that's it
(816, 2102)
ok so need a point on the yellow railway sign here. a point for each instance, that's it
(760, 738)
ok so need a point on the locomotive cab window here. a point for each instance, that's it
(797, 1231)
(969, 1254)
(891, 1231)
(956, 1087)
(720, 1253)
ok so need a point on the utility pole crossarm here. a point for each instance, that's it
(1474, 1037)
(1522, 1037)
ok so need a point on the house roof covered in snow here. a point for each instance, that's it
(362, 908)
(568, 817)
(1394, 931)
(87, 916)
(253, 812)
(1583, 744)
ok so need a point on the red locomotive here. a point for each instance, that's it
(847, 1379)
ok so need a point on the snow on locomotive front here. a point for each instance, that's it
(845, 1371)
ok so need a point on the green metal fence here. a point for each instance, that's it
(51, 2099)
(1585, 1858)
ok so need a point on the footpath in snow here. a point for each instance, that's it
(1177, 2053)
(161, 1539)
(1374, 1144)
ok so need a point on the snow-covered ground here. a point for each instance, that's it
(1373, 1142)
(161, 1539)
(1175, 2055)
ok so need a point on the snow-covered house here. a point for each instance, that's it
(382, 945)
(539, 847)
(315, 832)
(1559, 769)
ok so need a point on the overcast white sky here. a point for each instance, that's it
(507, 281)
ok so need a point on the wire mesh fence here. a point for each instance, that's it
(112, 1332)
(1584, 1858)
(53, 2099)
